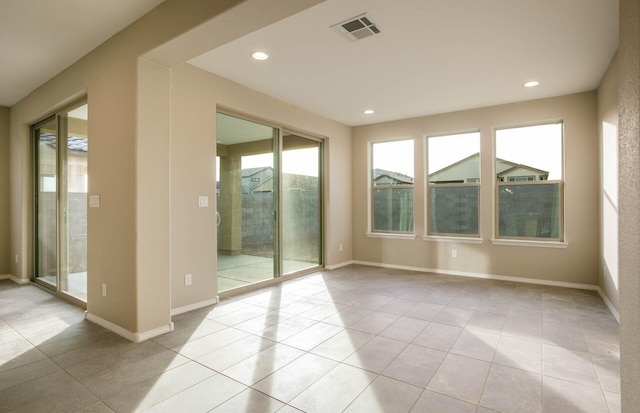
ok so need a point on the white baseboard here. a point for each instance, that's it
(146, 335)
(15, 279)
(609, 304)
(341, 264)
(485, 276)
(135, 337)
(195, 306)
(21, 281)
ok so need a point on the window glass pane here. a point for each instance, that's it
(454, 158)
(454, 161)
(453, 210)
(301, 203)
(392, 181)
(73, 275)
(47, 171)
(393, 209)
(393, 163)
(526, 158)
(530, 211)
(534, 151)
(246, 230)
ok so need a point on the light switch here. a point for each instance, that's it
(94, 201)
(203, 201)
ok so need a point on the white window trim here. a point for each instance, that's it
(538, 242)
(529, 243)
(461, 239)
(371, 233)
(391, 235)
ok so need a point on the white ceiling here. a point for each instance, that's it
(40, 38)
(433, 56)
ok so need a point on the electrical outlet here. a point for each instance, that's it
(104, 290)
(340, 247)
(94, 201)
(454, 253)
(16, 258)
(187, 279)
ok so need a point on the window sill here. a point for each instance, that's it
(529, 243)
(390, 235)
(462, 240)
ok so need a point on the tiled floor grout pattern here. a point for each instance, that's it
(356, 339)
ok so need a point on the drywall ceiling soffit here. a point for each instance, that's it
(431, 56)
(39, 39)
(236, 19)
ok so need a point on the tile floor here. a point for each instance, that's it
(76, 284)
(357, 339)
(241, 270)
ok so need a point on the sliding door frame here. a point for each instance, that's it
(278, 150)
(60, 122)
(321, 198)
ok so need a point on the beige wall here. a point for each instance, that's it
(4, 191)
(195, 96)
(153, 195)
(125, 249)
(577, 263)
(629, 212)
(608, 137)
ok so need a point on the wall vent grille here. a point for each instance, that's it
(357, 28)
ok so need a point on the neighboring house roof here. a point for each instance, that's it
(503, 167)
(522, 166)
(263, 186)
(78, 144)
(299, 181)
(455, 164)
(74, 143)
(289, 181)
(246, 173)
(396, 178)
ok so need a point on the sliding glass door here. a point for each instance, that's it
(246, 202)
(268, 202)
(61, 149)
(301, 203)
(46, 135)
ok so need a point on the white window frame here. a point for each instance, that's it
(560, 241)
(429, 235)
(371, 231)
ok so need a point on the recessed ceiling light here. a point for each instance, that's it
(259, 55)
(533, 83)
(368, 112)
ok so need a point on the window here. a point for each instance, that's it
(392, 186)
(529, 182)
(454, 182)
(520, 178)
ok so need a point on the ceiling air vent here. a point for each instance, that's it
(357, 28)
